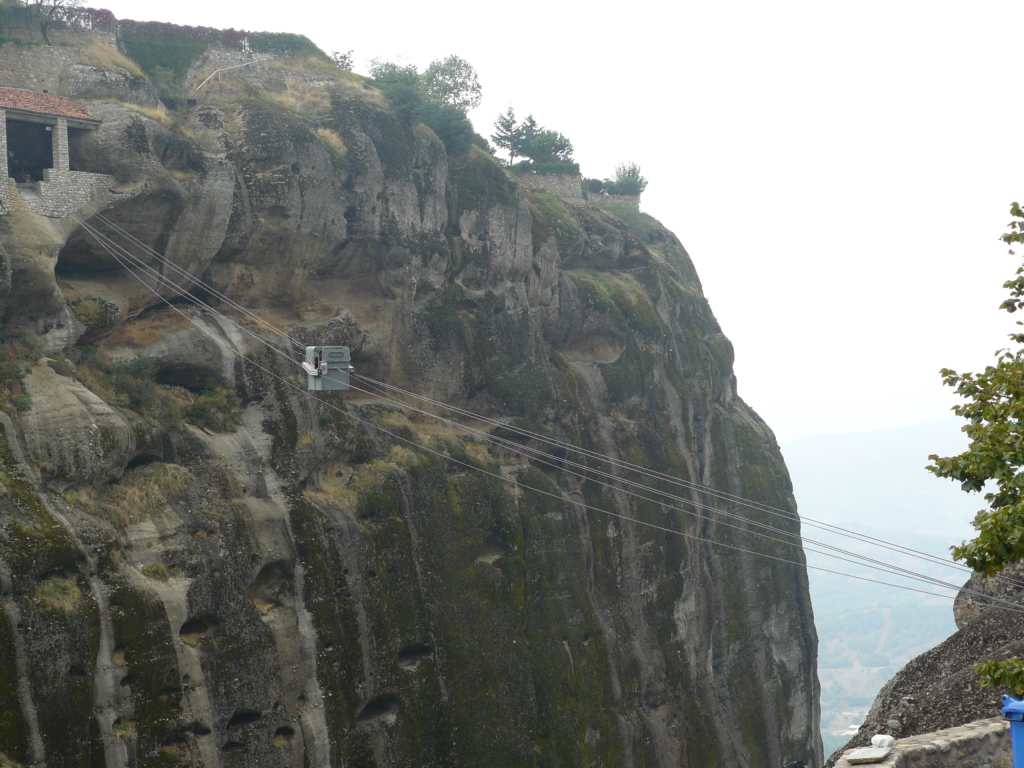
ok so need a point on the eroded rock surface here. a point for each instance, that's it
(308, 587)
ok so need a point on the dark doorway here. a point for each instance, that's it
(29, 150)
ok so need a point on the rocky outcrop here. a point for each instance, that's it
(338, 580)
(87, 83)
(938, 689)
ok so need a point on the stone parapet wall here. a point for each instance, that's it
(618, 201)
(562, 186)
(981, 744)
(62, 193)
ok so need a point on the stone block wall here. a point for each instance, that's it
(562, 186)
(620, 201)
(35, 67)
(981, 744)
(62, 193)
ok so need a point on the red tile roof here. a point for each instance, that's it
(42, 104)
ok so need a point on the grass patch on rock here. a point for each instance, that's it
(59, 594)
(140, 493)
(99, 54)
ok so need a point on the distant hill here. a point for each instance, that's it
(875, 483)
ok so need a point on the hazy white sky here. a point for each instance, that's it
(839, 172)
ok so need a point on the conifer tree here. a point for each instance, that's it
(507, 134)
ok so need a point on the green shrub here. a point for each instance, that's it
(217, 409)
(157, 571)
(552, 168)
(131, 385)
(1009, 673)
(285, 44)
(22, 402)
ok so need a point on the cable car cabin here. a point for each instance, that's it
(327, 368)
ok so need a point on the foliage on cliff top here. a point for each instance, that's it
(438, 98)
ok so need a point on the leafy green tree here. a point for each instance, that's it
(994, 410)
(407, 90)
(454, 82)
(546, 146)
(628, 180)
(994, 460)
(48, 11)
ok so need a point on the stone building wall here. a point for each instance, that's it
(62, 191)
(563, 186)
(981, 744)
(35, 67)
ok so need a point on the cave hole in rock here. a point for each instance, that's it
(191, 376)
(244, 717)
(232, 746)
(198, 729)
(127, 680)
(174, 744)
(169, 693)
(411, 657)
(466, 305)
(194, 630)
(283, 736)
(271, 583)
(143, 459)
(383, 709)
(493, 548)
(76, 672)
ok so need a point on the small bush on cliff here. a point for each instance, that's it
(132, 386)
(14, 364)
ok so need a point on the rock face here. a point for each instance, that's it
(337, 581)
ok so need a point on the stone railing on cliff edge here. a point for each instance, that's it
(570, 187)
(981, 744)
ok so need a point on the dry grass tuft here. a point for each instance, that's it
(140, 493)
(59, 594)
(333, 141)
(144, 332)
(99, 54)
(124, 731)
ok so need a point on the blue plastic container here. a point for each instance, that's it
(1013, 710)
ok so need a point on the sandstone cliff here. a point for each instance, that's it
(282, 585)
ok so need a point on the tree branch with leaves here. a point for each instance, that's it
(994, 460)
